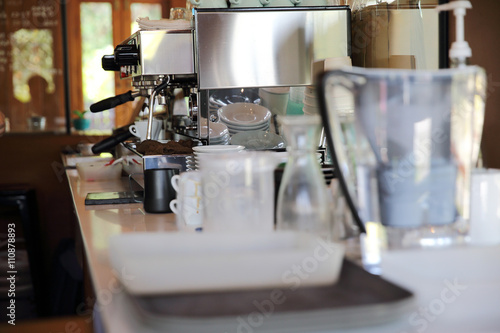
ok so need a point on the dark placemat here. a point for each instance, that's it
(356, 287)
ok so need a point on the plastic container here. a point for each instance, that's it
(238, 191)
(174, 263)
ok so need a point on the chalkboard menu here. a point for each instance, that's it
(31, 64)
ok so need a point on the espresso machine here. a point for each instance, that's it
(218, 50)
(225, 48)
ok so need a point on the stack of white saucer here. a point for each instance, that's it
(240, 117)
(192, 162)
(311, 104)
(218, 133)
(341, 98)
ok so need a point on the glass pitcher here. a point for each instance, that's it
(303, 203)
(406, 151)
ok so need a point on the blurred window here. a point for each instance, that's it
(97, 40)
(32, 54)
(103, 25)
(32, 67)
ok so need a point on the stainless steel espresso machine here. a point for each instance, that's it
(226, 48)
(235, 49)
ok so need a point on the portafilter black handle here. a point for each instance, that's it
(111, 102)
(109, 143)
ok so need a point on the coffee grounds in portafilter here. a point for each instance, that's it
(152, 147)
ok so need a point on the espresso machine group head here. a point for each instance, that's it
(157, 62)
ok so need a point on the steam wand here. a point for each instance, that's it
(158, 88)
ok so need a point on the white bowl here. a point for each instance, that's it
(241, 114)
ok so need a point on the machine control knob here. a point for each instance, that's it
(126, 55)
(109, 64)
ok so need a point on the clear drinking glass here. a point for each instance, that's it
(303, 202)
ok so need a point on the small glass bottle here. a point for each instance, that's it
(303, 203)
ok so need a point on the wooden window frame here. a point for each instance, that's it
(120, 10)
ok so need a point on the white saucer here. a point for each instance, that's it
(217, 130)
(238, 130)
(225, 141)
(245, 127)
(217, 149)
(233, 130)
(244, 114)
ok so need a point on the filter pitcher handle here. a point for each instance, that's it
(335, 101)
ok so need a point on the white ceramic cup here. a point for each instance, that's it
(188, 213)
(188, 204)
(187, 183)
(484, 226)
(275, 99)
(140, 129)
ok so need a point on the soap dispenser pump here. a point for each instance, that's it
(460, 50)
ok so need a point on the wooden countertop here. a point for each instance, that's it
(97, 223)
(114, 311)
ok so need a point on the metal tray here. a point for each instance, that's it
(358, 299)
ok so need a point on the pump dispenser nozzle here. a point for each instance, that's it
(460, 49)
